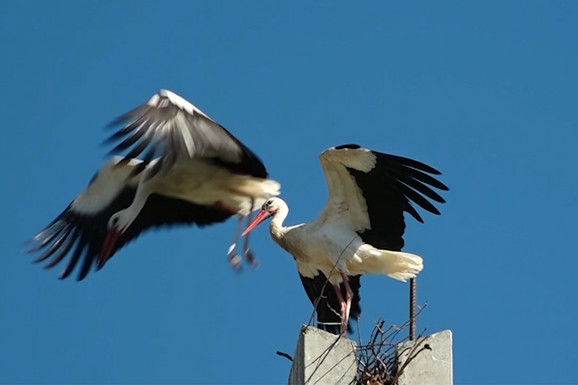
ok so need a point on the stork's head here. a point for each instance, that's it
(120, 221)
(271, 207)
(117, 225)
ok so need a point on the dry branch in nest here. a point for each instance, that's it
(378, 359)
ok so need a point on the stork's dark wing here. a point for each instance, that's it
(80, 230)
(168, 127)
(378, 189)
(322, 296)
(85, 234)
(78, 234)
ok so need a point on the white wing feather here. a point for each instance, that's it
(110, 180)
(346, 203)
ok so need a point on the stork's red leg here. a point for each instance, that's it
(342, 310)
(232, 256)
(348, 295)
(249, 256)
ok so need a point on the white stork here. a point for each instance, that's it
(193, 172)
(359, 230)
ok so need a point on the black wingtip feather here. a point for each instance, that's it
(413, 212)
(120, 134)
(416, 177)
(408, 162)
(56, 245)
(348, 146)
(119, 120)
(132, 115)
(416, 197)
(250, 163)
(128, 142)
(389, 190)
(80, 247)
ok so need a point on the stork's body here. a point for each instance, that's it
(194, 171)
(332, 248)
(359, 230)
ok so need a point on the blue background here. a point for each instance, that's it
(484, 91)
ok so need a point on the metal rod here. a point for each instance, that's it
(412, 307)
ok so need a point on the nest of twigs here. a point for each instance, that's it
(379, 358)
(383, 359)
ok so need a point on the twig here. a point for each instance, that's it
(378, 359)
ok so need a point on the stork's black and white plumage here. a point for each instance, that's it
(193, 171)
(359, 230)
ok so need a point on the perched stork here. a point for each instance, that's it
(193, 171)
(359, 230)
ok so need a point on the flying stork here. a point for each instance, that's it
(359, 230)
(193, 171)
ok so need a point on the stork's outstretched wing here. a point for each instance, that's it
(80, 230)
(168, 127)
(369, 191)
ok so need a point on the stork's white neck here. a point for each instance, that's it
(276, 227)
(129, 214)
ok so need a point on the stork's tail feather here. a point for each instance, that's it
(270, 187)
(261, 189)
(249, 193)
(256, 187)
(397, 264)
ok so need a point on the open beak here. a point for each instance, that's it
(260, 217)
(108, 246)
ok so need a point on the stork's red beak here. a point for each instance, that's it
(108, 246)
(261, 216)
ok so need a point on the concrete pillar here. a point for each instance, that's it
(322, 358)
(432, 365)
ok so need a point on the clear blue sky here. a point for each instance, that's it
(484, 91)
